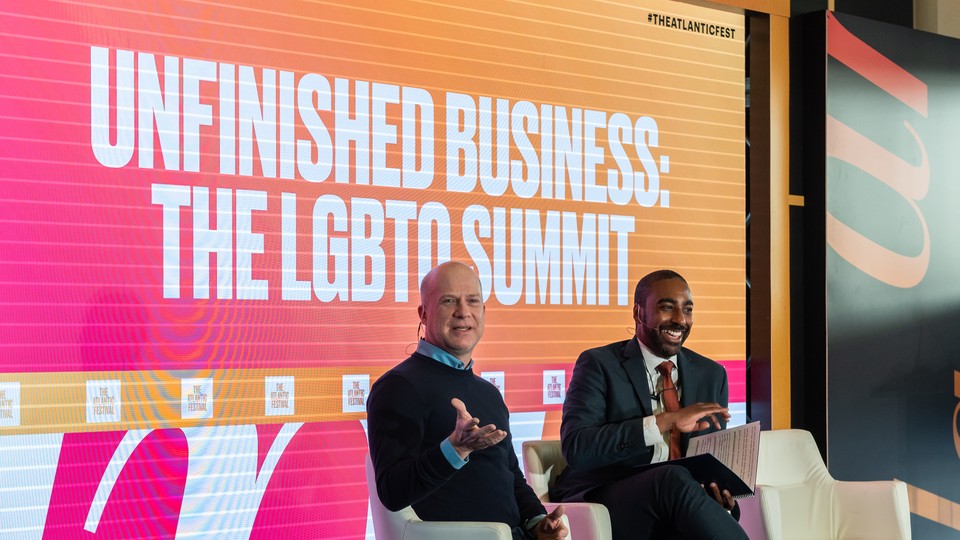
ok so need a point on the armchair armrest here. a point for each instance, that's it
(585, 521)
(878, 510)
(461, 530)
(769, 502)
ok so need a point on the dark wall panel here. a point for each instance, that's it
(891, 222)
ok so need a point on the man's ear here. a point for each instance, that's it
(420, 312)
(637, 313)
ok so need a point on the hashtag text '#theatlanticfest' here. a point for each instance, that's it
(699, 27)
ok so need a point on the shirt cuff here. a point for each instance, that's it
(452, 456)
(533, 522)
(653, 437)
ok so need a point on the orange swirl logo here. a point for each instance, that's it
(909, 181)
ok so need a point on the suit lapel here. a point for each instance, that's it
(688, 380)
(632, 362)
(688, 391)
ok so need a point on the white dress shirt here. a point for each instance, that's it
(651, 435)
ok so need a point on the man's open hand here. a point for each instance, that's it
(467, 436)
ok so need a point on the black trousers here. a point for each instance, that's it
(665, 502)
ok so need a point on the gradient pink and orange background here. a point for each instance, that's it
(81, 281)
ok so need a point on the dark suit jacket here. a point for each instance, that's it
(602, 429)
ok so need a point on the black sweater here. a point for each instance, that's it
(409, 414)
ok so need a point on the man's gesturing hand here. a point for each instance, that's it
(696, 417)
(467, 436)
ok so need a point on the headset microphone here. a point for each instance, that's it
(648, 326)
(657, 328)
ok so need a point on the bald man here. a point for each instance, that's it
(424, 418)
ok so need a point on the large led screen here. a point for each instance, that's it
(214, 218)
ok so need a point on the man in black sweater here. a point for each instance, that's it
(427, 447)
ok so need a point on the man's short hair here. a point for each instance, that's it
(645, 283)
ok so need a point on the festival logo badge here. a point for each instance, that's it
(103, 401)
(554, 386)
(9, 404)
(497, 379)
(278, 396)
(196, 398)
(355, 390)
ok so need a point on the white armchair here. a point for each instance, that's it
(798, 498)
(405, 525)
(542, 463)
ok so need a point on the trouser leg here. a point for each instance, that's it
(665, 501)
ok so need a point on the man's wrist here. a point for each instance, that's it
(461, 451)
(453, 457)
(532, 523)
(665, 421)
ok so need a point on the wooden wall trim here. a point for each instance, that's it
(778, 8)
(780, 220)
(769, 196)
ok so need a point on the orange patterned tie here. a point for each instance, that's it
(671, 402)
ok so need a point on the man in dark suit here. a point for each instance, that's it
(616, 419)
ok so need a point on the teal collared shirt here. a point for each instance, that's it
(428, 349)
(447, 359)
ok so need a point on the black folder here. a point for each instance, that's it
(707, 469)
